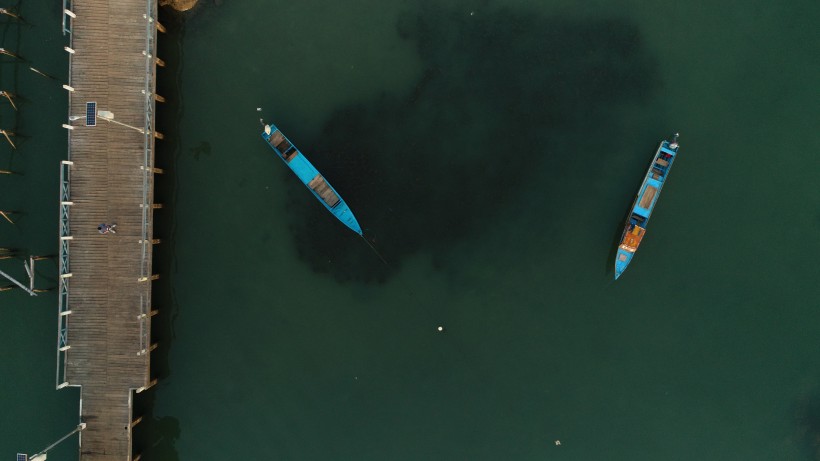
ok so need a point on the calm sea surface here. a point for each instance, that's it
(490, 150)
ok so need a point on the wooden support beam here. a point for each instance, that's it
(9, 96)
(8, 135)
(5, 214)
(10, 13)
(151, 384)
(154, 170)
(10, 53)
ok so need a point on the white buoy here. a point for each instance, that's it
(440, 328)
(557, 443)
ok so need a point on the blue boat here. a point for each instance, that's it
(310, 176)
(644, 203)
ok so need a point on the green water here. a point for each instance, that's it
(491, 150)
(33, 413)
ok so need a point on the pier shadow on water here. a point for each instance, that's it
(156, 436)
(506, 103)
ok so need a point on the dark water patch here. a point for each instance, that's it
(807, 420)
(203, 148)
(509, 101)
(155, 437)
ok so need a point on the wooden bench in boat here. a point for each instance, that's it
(277, 140)
(647, 197)
(323, 190)
(662, 162)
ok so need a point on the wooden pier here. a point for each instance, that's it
(104, 333)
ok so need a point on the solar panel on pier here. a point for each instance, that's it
(91, 114)
(22, 457)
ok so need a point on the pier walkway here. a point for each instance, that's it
(104, 327)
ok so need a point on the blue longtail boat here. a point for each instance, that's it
(644, 203)
(310, 176)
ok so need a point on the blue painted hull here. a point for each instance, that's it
(310, 177)
(644, 204)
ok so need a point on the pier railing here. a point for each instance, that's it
(68, 15)
(63, 310)
(147, 175)
(148, 134)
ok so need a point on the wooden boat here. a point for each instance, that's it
(310, 176)
(644, 203)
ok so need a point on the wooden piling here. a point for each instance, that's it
(10, 14)
(10, 97)
(5, 214)
(8, 135)
(9, 53)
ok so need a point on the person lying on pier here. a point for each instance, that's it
(105, 228)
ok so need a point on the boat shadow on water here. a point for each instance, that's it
(617, 234)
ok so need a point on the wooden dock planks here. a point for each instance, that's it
(108, 185)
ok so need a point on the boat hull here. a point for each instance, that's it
(644, 203)
(310, 177)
